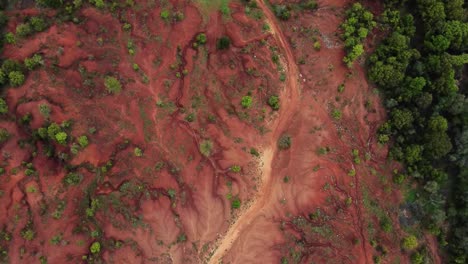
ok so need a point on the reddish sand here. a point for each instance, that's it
(173, 204)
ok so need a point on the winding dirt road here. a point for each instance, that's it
(289, 105)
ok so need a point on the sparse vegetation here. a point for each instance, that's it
(113, 85)
(206, 147)
(284, 142)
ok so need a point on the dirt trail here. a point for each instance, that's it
(289, 104)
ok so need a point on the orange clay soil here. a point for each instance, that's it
(173, 204)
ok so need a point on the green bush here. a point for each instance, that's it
(61, 138)
(284, 142)
(16, 78)
(417, 258)
(23, 30)
(3, 107)
(223, 43)
(206, 147)
(83, 141)
(38, 24)
(10, 38)
(246, 101)
(273, 102)
(309, 4)
(235, 168)
(95, 248)
(336, 114)
(236, 203)
(165, 15)
(4, 135)
(138, 152)
(33, 62)
(282, 12)
(410, 242)
(44, 110)
(112, 85)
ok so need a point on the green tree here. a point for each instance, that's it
(112, 85)
(206, 147)
(273, 102)
(3, 107)
(246, 101)
(402, 118)
(16, 78)
(95, 248)
(33, 62)
(223, 43)
(410, 242)
(284, 142)
(61, 138)
(282, 12)
(83, 141)
(23, 30)
(4, 135)
(38, 24)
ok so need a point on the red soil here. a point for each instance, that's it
(172, 204)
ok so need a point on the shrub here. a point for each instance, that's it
(28, 234)
(44, 110)
(236, 203)
(201, 39)
(72, 178)
(417, 258)
(10, 38)
(95, 247)
(83, 141)
(254, 152)
(386, 224)
(309, 4)
(205, 147)
(113, 85)
(336, 114)
(235, 168)
(23, 30)
(317, 45)
(190, 117)
(409, 242)
(52, 130)
(165, 15)
(341, 88)
(282, 12)
(16, 78)
(284, 142)
(61, 138)
(273, 102)
(3, 107)
(138, 152)
(38, 24)
(223, 43)
(399, 178)
(246, 101)
(4, 135)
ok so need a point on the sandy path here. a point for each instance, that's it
(289, 104)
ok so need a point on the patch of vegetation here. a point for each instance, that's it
(273, 102)
(95, 248)
(236, 203)
(247, 101)
(206, 146)
(235, 168)
(284, 142)
(112, 85)
(223, 43)
(359, 22)
(282, 12)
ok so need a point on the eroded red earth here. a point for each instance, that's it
(173, 204)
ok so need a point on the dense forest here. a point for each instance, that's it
(420, 68)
